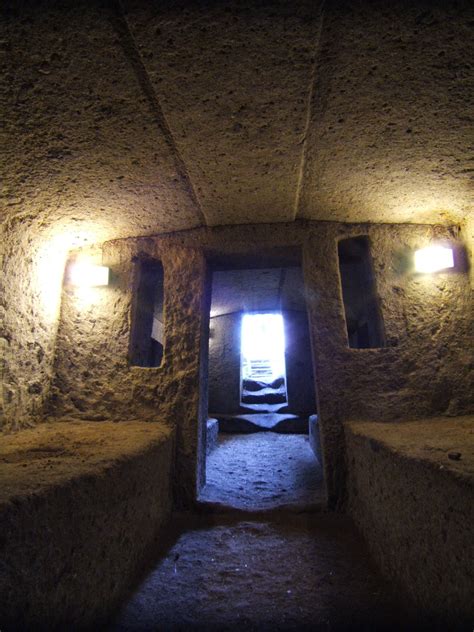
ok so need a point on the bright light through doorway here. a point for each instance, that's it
(263, 347)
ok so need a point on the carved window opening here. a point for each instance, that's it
(147, 335)
(365, 329)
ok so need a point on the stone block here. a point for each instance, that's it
(413, 503)
(81, 508)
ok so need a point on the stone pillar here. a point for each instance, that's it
(299, 364)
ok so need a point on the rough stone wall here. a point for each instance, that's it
(31, 270)
(103, 145)
(72, 172)
(468, 234)
(93, 376)
(224, 364)
(427, 368)
(299, 363)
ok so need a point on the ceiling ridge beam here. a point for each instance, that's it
(133, 55)
(309, 109)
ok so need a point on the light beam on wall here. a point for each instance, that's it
(46, 276)
(88, 275)
(433, 259)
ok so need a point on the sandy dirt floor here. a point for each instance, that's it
(295, 572)
(262, 471)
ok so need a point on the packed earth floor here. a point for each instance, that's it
(286, 572)
(262, 554)
(262, 471)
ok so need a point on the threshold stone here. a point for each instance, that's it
(284, 423)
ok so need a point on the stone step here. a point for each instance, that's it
(266, 422)
(266, 395)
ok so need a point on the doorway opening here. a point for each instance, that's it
(262, 440)
(262, 359)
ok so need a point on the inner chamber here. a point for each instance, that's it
(262, 442)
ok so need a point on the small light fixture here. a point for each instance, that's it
(433, 259)
(88, 275)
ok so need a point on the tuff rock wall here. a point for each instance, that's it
(224, 363)
(425, 369)
(362, 113)
(32, 259)
(299, 366)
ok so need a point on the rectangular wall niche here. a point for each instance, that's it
(365, 328)
(147, 335)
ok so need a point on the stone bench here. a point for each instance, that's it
(410, 491)
(81, 507)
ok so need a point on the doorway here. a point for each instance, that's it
(262, 359)
(262, 434)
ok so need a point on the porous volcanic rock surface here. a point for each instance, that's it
(127, 118)
(441, 443)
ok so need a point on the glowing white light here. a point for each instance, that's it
(88, 275)
(263, 344)
(433, 258)
(47, 275)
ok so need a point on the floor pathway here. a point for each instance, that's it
(295, 572)
(271, 561)
(262, 471)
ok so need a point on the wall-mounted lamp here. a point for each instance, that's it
(434, 258)
(88, 275)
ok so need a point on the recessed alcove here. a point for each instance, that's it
(365, 328)
(147, 331)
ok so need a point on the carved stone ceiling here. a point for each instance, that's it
(143, 117)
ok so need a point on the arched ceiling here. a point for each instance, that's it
(139, 117)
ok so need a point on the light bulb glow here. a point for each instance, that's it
(434, 258)
(88, 275)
